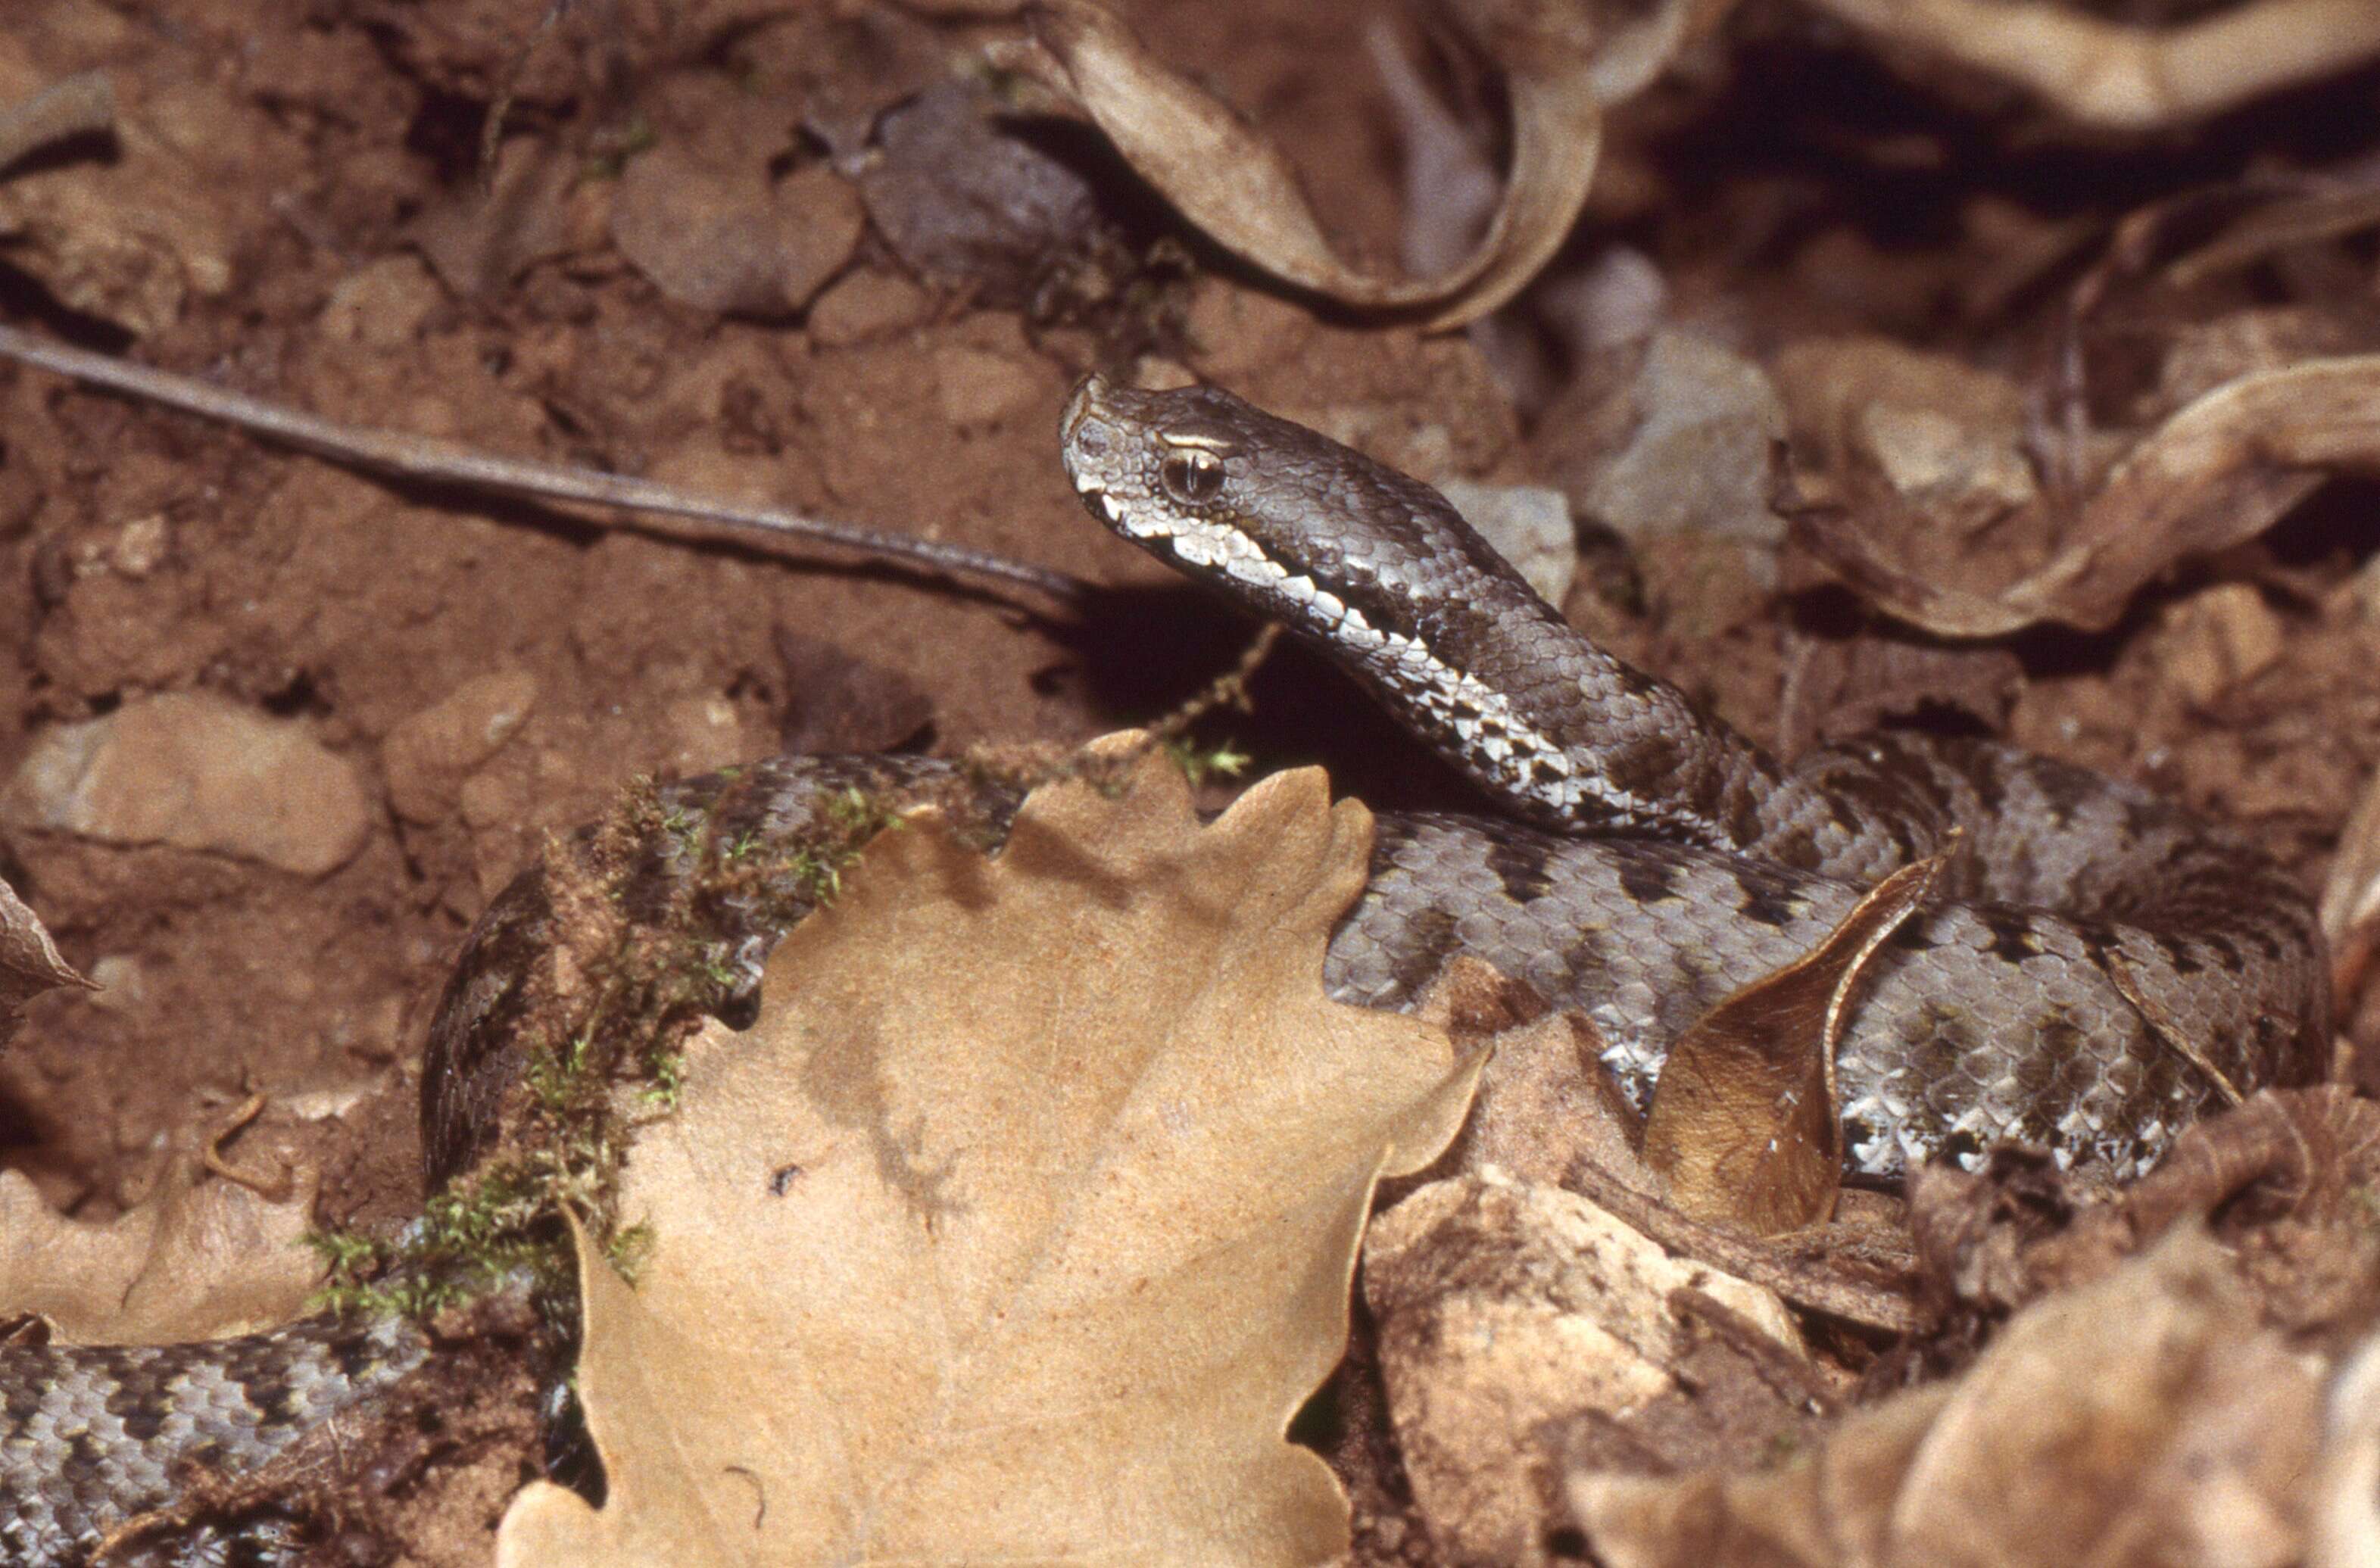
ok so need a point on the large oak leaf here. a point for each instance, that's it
(1023, 1222)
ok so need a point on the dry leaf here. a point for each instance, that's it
(29, 962)
(1837, 687)
(2350, 913)
(80, 105)
(2285, 222)
(1023, 1222)
(1236, 185)
(2146, 1418)
(1857, 1267)
(1505, 1309)
(1821, 1512)
(2219, 471)
(2350, 895)
(2103, 73)
(1546, 1103)
(1743, 1124)
(481, 237)
(2291, 1166)
(2346, 1528)
(197, 1260)
(1936, 434)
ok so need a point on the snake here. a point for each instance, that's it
(2094, 970)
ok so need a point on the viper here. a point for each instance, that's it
(2096, 969)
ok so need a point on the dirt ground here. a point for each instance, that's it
(299, 170)
(297, 589)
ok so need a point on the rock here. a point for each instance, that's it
(819, 223)
(382, 306)
(2213, 640)
(962, 200)
(864, 304)
(1617, 302)
(140, 545)
(429, 755)
(122, 985)
(1699, 459)
(1528, 524)
(138, 243)
(718, 235)
(195, 772)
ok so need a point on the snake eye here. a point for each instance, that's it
(1191, 477)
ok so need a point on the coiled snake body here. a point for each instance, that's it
(2099, 961)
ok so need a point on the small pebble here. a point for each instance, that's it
(195, 772)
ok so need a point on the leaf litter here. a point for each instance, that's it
(1563, 70)
(2075, 497)
(1021, 1223)
(192, 1259)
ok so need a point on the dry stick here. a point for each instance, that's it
(423, 458)
(492, 129)
(271, 1189)
(1229, 689)
(1037, 766)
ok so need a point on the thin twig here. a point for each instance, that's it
(273, 1189)
(492, 129)
(1229, 689)
(423, 458)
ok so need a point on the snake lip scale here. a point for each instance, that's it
(2101, 969)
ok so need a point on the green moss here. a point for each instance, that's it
(599, 1069)
(630, 1248)
(467, 1242)
(1200, 763)
(668, 1075)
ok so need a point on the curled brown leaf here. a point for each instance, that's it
(2220, 472)
(2106, 73)
(1507, 1312)
(1562, 70)
(1743, 1124)
(2147, 1417)
(193, 1259)
(29, 962)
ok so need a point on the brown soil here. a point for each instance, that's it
(312, 144)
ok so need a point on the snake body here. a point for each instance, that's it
(2102, 969)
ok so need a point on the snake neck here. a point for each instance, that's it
(1555, 729)
(1381, 574)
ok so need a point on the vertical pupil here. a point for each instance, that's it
(1193, 476)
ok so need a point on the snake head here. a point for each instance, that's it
(1284, 520)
